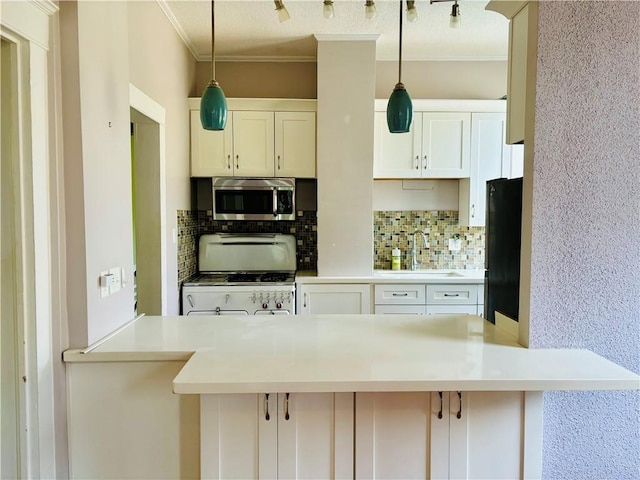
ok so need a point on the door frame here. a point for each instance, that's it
(155, 156)
(26, 25)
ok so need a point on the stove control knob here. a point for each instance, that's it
(253, 297)
(278, 305)
(265, 306)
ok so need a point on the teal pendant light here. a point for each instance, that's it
(399, 107)
(213, 104)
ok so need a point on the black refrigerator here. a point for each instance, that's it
(502, 249)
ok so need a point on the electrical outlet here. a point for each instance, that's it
(455, 244)
(117, 284)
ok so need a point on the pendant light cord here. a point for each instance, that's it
(400, 60)
(213, 40)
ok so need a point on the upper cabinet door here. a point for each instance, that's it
(445, 144)
(211, 151)
(397, 155)
(253, 143)
(295, 144)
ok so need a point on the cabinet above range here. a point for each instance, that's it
(263, 138)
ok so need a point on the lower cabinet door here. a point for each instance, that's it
(315, 435)
(277, 435)
(334, 299)
(452, 309)
(399, 435)
(238, 436)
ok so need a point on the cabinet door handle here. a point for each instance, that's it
(440, 412)
(473, 210)
(229, 161)
(399, 294)
(278, 162)
(417, 162)
(237, 161)
(267, 417)
(286, 406)
(424, 165)
(459, 414)
(451, 294)
(304, 301)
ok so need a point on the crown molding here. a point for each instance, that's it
(178, 28)
(47, 6)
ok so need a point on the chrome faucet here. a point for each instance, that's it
(414, 260)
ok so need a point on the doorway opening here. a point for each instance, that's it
(148, 204)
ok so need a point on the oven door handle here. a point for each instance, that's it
(275, 203)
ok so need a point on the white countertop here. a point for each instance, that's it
(347, 353)
(453, 276)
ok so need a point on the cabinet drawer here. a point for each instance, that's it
(452, 294)
(399, 309)
(452, 309)
(408, 294)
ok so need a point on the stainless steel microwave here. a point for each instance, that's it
(254, 198)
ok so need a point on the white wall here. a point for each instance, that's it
(105, 47)
(161, 66)
(346, 87)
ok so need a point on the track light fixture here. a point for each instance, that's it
(369, 9)
(412, 11)
(454, 19)
(283, 14)
(327, 9)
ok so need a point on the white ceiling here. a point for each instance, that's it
(249, 29)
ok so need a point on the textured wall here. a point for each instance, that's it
(585, 279)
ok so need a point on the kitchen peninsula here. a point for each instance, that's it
(341, 396)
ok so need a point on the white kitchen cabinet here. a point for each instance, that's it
(333, 298)
(277, 435)
(244, 148)
(521, 68)
(258, 141)
(491, 158)
(437, 146)
(443, 435)
(426, 299)
(295, 144)
(211, 151)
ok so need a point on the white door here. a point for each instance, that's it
(486, 432)
(393, 435)
(397, 155)
(334, 298)
(315, 435)
(446, 141)
(238, 436)
(295, 144)
(211, 151)
(253, 144)
(488, 149)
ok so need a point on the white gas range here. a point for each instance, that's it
(243, 274)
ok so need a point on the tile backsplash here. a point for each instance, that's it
(390, 229)
(393, 229)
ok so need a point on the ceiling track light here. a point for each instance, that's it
(369, 9)
(454, 19)
(283, 14)
(327, 9)
(399, 107)
(412, 11)
(213, 104)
